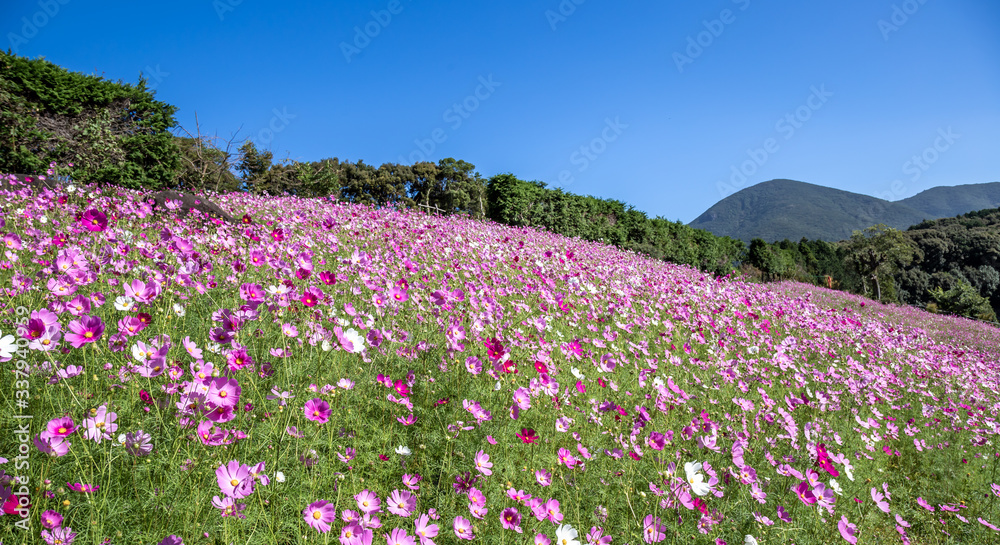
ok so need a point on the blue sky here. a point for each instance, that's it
(668, 106)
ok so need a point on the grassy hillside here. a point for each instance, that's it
(327, 372)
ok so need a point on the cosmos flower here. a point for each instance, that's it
(463, 528)
(94, 220)
(320, 515)
(317, 410)
(368, 502)
(234, 480)
(696, 479)
(566, 535)
(847, 530)
(87, 329)
(401, 502)
(483, 465)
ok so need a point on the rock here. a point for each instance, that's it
(183, 202)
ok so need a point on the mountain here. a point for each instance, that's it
(780, 209)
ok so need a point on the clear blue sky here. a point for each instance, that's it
(615, 99)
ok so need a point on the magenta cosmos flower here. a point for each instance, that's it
(317, 410)
(59, 427)
(94, 220)
(320, 514)
(87, 329)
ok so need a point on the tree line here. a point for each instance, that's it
(948, 265)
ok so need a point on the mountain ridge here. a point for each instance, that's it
(778, 209)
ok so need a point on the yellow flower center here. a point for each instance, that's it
(234, 482)
(223, 393)
(62, 430)
(88, 334)
(317, 515)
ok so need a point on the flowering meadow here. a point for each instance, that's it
(321, 373)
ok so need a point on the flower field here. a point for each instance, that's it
(323, 373)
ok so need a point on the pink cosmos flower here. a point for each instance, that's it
(317, 410)
(463, 528)
(63, 535)
(398, 536)
(426, 531)
(483, 464)
(87, 329)
(552, 511)
(847, 530)
(527, 436)
(652, 530)
(368, 502)
(53, 446)
(879, 500)
(401, 503)
(320, 515)
(355, 534)
(82, 488)
(411, 481)
(234, 480)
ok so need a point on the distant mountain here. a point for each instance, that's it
(780, 209)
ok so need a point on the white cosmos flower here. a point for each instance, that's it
(8, 346)
(576, 373)
(357, 341)
(566, 535)
(279, 476)
(696, 479)
(179, 310)
(326, 346)
(124, 303)
(836, 487)
(750, 540)
(403, 450)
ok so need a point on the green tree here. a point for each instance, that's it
(879, 251)
(254, 167)
(112, 132)
(962, 300)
